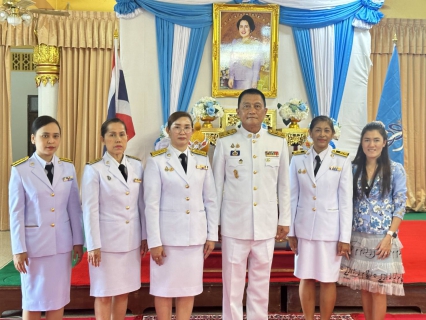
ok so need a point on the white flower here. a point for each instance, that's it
(294, 109)
(207, 106)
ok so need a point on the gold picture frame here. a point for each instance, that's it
(245, 58)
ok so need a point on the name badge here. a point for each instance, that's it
(201, 167)
(335, 168)
(137, 180)
(272, 153)
(69, 178)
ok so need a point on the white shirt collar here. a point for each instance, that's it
(115, 162)
(43, 162)
(178, 152)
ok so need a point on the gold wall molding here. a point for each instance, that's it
(47, 59)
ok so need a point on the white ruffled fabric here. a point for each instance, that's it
(131, 15)
(364, 271)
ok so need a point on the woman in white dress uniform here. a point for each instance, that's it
(321, 214)
(112, 197)
(181, 219)
(45, 223)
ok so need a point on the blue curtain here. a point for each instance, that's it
(165, 34)
(199, 19)
(343, 39)
(196, 45)
(304, 52)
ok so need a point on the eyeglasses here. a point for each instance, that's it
(179, 129)
(256, 107)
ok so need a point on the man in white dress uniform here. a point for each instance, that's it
(250, 167)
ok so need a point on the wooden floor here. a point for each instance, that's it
(283, 297)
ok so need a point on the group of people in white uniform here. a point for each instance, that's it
(179, 206)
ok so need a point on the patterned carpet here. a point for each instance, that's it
(271, 317)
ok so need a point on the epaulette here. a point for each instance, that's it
(158, 152)
(340, 153)
(94, 161)
(200, 152)
(277, 133)
(65, 160)
(298, 152)
(227, 133)
(132, 157)
(18, 162)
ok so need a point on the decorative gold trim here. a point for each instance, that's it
(46, 78)
(46, 58)
(295, 136)
(218, 9)
(230, 119)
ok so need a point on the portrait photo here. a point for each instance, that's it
(245, 49)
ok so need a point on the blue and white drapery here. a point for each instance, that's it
(182, 31)
(322, 30)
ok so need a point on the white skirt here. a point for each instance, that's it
(181, 274)
(47, 283)
(317, 260)
(118, 273)
(364, 271)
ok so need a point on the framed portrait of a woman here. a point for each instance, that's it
(245, 49)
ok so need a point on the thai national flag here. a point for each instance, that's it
(118, 101)
(390, 109)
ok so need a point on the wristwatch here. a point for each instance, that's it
(392, 234)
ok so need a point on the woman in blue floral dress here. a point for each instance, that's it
(379, 185)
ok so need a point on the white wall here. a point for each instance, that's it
(139, 60)
(22, 85)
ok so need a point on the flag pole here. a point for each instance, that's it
(117, 70)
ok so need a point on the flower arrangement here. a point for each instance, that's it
(337, 130)
(163, 140)
(295, 109)
(207, 107)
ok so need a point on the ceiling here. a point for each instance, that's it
(79, 5)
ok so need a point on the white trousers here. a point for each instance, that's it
(237, 255)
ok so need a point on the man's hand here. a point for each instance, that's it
(282, 232)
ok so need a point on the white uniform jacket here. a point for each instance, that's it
(181, 209)
(113, 209)
(45, 218)
(252, 183)
(321, 206)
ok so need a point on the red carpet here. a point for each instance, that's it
(282, 269)
(412, 236)
(395, 316)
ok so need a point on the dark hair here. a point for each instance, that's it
(249, 20)
(383, 162)
(104, 128)
(322, 119)
(43, 121)
(251, 91)
(176, 115)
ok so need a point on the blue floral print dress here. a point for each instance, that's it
(372, 219)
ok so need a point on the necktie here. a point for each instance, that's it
(318, 165)
(122, 169)
(49, 168)
(182, 158)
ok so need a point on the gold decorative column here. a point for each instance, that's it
(46, 59)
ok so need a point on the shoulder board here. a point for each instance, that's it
(298, 152)
(276, 133)
(227, 133)
(132, 157)
(65, 160)
(158, 152)
(94, 161)
(18, 162)
(340, 153)
(200, 152)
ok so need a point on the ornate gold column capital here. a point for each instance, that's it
(46, 58)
